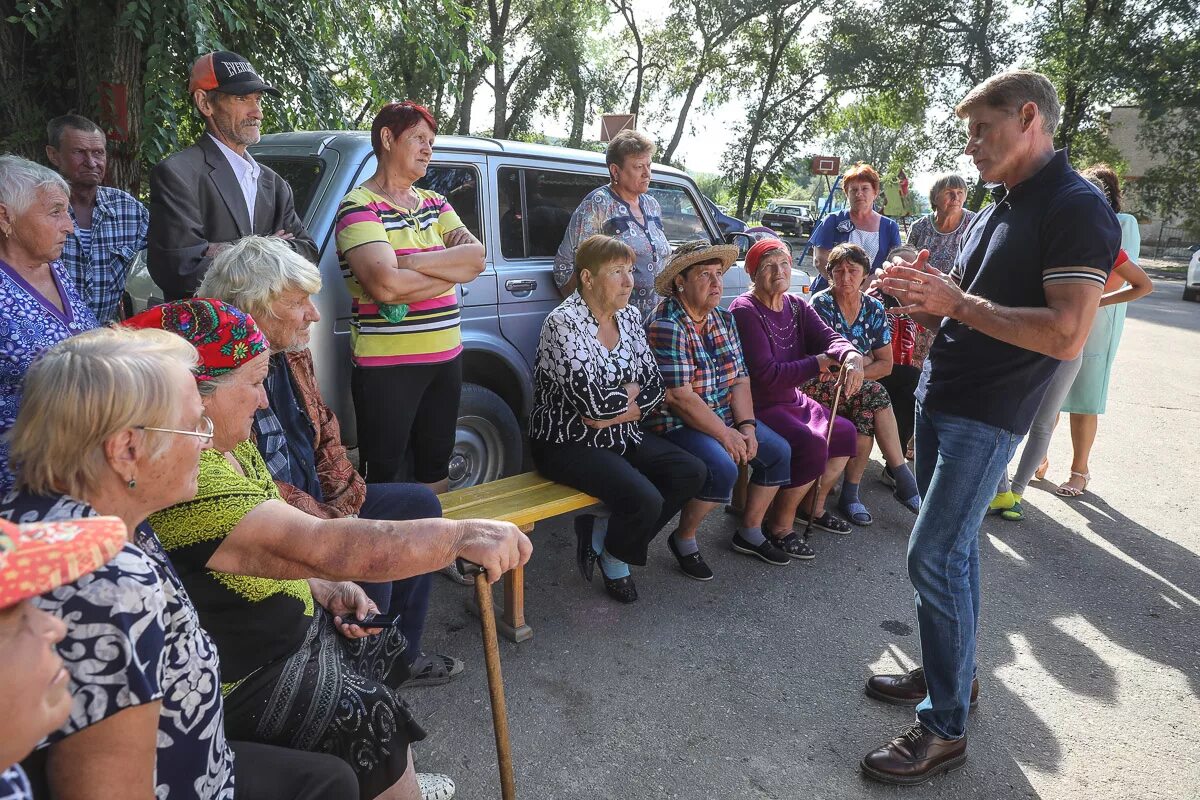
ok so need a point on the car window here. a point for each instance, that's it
(302, 173)
(681, 221)
(459, 184)
(536, 206)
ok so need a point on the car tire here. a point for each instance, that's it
(1191, 295)
(487, 439)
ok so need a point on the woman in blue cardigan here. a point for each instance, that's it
(861, 224)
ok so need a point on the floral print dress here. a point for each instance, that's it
(868, 331)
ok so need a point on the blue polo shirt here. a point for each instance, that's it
(1054, 228)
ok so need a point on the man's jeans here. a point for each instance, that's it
(958, 463)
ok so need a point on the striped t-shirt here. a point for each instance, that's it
(429, 333)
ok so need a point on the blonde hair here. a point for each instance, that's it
(253, 272)
(598, 250)
(86, 389)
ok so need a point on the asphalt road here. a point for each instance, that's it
(750, 686)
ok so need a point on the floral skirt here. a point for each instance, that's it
(859, 409)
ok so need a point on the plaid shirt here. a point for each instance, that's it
(708, 356)
(119, 225)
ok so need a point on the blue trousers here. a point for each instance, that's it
(771, 467)
(958, 462)
(410, 597)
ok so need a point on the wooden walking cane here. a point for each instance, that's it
(491, 655)
(816, 490)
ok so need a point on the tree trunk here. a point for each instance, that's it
(688, 99)
(578, 104)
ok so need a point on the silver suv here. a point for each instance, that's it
(517, 199)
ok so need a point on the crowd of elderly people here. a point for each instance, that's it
(222, 646)
(181, 519)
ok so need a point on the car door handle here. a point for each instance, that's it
(520, 286)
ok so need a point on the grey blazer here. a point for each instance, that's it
(195, 200)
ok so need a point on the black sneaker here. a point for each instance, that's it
(795, 547)
(766, 551)
(692, 565)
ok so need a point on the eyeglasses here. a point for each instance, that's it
(204, 430)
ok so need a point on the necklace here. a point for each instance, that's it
(783, 337)
(388, 196)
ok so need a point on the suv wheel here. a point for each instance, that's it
(487, 441)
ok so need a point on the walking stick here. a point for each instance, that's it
(491, 655)
(816, 490)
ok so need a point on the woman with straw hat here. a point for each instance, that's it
(708, 409)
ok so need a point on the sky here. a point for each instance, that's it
(709, 130)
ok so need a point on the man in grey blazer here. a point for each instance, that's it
(204, 198)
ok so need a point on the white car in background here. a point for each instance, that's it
(1191, 283)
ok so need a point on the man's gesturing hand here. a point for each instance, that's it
(922, 289)
(495, 546)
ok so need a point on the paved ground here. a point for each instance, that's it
(750, 686)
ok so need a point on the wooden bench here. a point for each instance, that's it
(523, 500)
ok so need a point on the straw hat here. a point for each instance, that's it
(690, 253)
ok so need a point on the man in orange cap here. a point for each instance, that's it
(33, 695)
(213, 193)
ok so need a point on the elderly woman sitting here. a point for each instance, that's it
(147, 718)
(862, 320)
(271, 582)
(786, 344)
(594, 380)
(298, 435)
(38, 303)
(709, 411)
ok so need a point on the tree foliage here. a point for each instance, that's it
(330, 58)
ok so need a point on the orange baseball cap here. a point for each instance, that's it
(227, 72)
(40, 556)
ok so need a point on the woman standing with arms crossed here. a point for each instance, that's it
(404, 251)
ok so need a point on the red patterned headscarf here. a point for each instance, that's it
(225, 337)
(758, 250)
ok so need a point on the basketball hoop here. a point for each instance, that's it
(612, 124)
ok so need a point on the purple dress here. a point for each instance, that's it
(781, 349)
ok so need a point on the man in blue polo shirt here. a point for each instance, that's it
(1020, 298)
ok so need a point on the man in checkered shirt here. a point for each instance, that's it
(110, 225)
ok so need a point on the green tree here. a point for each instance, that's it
(328, 57)
(884, 129)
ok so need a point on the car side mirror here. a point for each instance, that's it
(744, 242)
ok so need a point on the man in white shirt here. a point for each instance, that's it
(213, 193)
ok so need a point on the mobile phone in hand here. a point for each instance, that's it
(373, 621)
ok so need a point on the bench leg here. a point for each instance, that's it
(512, 621)
(511, 624)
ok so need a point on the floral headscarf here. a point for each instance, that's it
(225, 337)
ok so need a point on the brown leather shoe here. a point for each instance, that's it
(913, 757)
(907, 689)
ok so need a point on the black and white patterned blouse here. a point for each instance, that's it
(133, 636)
(575, 376)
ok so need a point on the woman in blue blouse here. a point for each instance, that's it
(862, 320)
(38, 303)
(861, 224)
(623, 209)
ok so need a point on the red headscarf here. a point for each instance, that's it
(758, 250)
(225, 337)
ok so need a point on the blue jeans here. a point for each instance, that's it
(958, 462)
(771, 467)
(409, 597)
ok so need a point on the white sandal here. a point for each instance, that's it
(435, 787)
(1066, 490)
